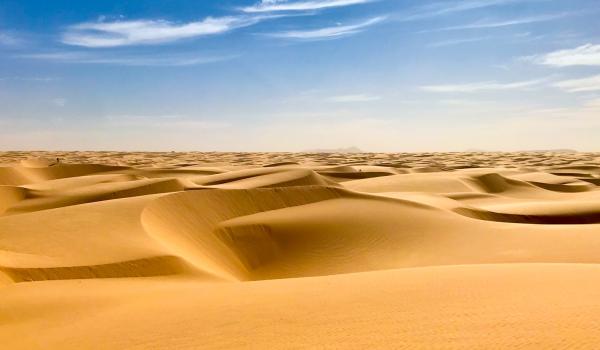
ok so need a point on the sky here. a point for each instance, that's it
(295, 75)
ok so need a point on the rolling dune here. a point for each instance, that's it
(103, 250)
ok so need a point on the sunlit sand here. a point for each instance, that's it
(111, 250)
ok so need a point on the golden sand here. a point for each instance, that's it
(117, 250)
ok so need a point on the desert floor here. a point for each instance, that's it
(123, 250)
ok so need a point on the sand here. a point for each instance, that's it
(117, 250)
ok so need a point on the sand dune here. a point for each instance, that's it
(312, 250)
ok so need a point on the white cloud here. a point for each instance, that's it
(483, 86)
(137, 60)
(284, 5)
(354, 98)
(328, 32)
(59, 102)
(580, 85)
(144, 32)
(483, 24)
(453, 42)
(585, 55)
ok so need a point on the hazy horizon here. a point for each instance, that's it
(276, 75)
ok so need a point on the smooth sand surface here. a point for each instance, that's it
(118, 250)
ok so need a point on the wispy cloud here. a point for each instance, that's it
(518, 37)
(584, 116)
(450, 7)
(585, 55)
(453, 42)
(124, 60)
(354, 98)
(487, 23)
(7, 39)
(483, 86)
(164, 121)
(328, 32)
(40, 79)
(580, 85)
(143, 32)
(285, 5)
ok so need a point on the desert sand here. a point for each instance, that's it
(134, 250)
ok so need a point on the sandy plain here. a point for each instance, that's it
(135, 250)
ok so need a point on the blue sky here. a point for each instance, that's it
(276, 75)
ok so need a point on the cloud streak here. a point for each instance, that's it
(453, 42)
(584, 55)
(34, 79)
(9, 39)
(103, 34)
(445, 8)
(486, 23)
(482, 86)
(284, 5)
(327, 32)
(137, 60)
(580, 85)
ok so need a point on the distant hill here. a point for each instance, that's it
(336, 150)
(559, 150)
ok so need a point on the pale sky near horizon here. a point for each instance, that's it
(291, 75)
